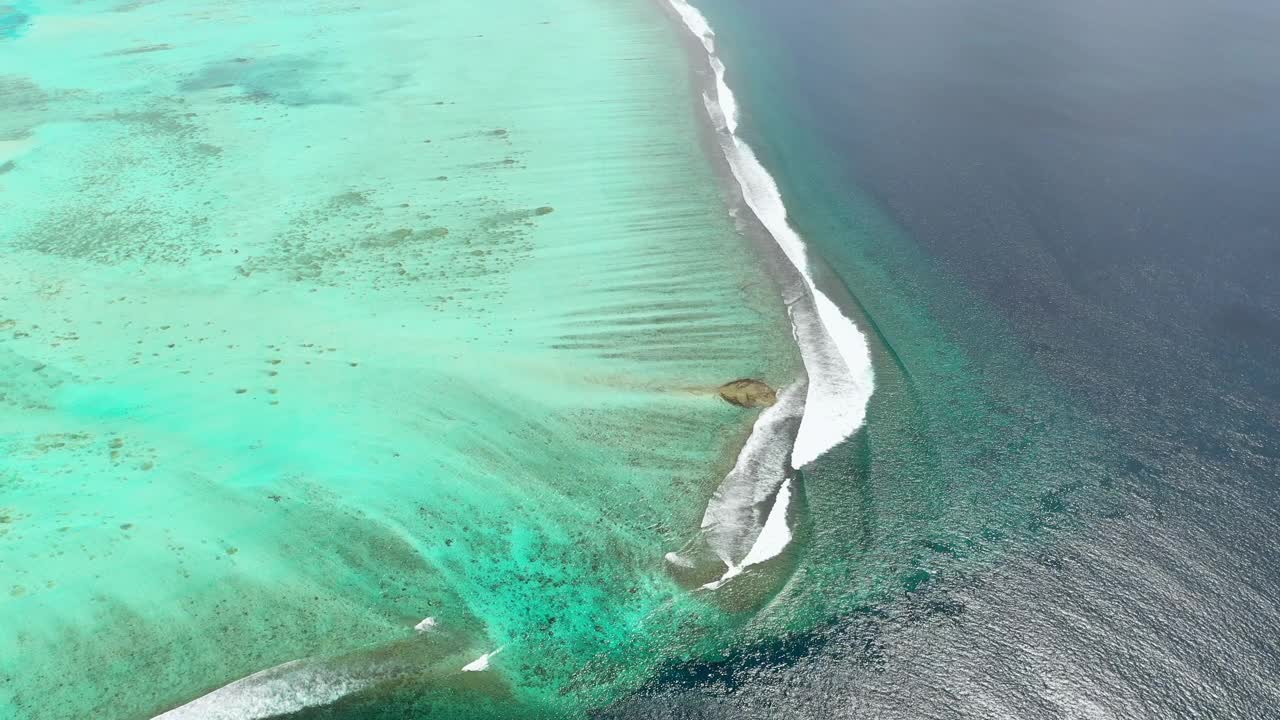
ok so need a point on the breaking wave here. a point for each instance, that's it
(835, 354)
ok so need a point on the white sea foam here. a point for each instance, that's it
(733, 520)
(731, 573)
(295, 686)
(835, 353)
(282, 689)
(678, 560)
(774, 537)
(481, 663)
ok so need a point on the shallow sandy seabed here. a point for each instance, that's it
(317, 320)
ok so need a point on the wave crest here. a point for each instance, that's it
(835, 353)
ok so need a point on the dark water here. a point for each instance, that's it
(1062, 221)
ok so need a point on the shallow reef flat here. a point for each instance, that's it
(319, 319)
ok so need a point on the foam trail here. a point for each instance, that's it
(835, 353)
(733, 520)
(481, 663)
(307, 683)
(282, 689)
(774, 537)
(735, 526)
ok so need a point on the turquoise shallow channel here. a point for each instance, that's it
(319, 319)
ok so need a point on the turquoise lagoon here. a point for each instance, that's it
(318, 320)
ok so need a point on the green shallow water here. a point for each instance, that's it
(318, 320)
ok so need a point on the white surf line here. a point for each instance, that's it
(286, 688)
(776, 534)
(481, 663)
(282, 689)
(835, 353)
(678, 560)
(732, 522)
(774, 538)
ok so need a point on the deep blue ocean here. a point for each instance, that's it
(1062, 224)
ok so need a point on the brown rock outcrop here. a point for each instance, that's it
(748, 393)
